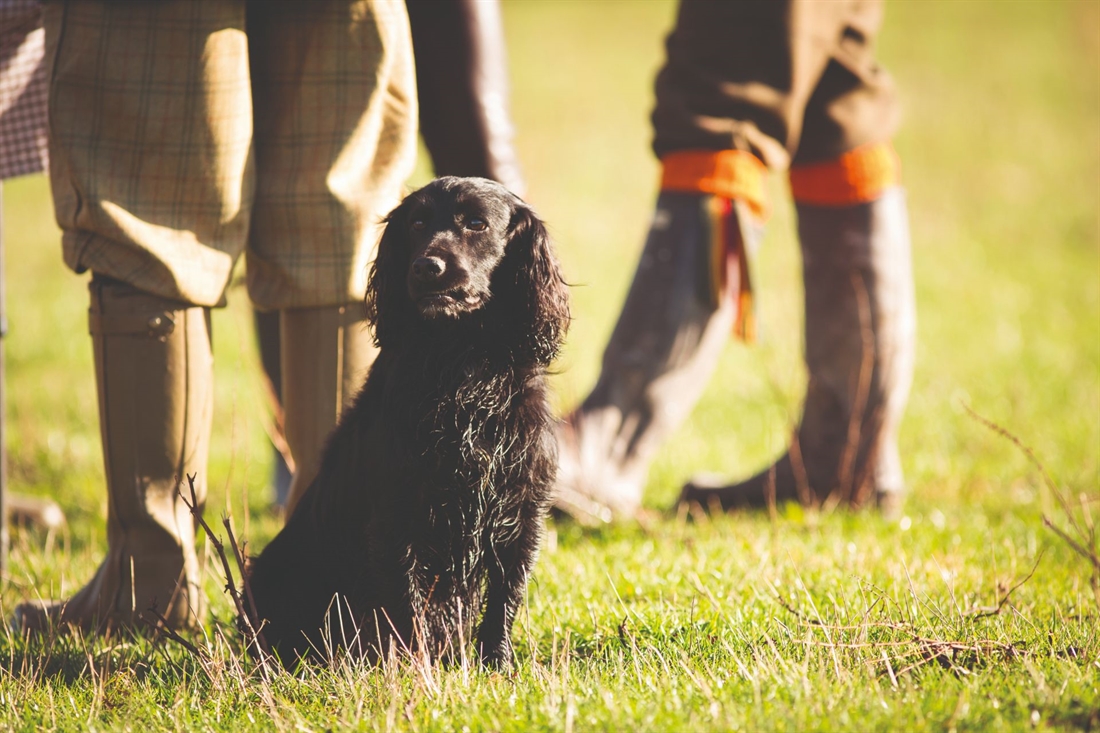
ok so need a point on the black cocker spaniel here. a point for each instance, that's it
(426, 516)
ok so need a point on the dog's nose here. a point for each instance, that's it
(428, 269)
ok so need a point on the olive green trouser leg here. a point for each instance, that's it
(153, 366)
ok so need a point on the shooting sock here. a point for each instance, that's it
(689, 292)
(860, 336)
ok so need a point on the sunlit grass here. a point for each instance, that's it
(801, 622)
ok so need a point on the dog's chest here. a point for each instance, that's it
(459, 443)
(447, 548)
(462, 510)
(465, 503)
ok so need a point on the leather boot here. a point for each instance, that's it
(326, 353)
(462, 86)
(153, 366)
(679, 312)
(860, 343)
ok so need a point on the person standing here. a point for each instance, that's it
(184, 133)
(747, 88)
(23, 151)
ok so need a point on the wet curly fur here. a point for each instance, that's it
(426, 516)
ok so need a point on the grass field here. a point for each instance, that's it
(793, 622)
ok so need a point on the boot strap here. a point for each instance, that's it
(154, 324)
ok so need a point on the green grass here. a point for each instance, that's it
(747, 622)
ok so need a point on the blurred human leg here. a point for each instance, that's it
(769, 82)
(462, 86)
(859, 345)
(681, 308)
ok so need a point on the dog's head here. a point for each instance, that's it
(468, 250)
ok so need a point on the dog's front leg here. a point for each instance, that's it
(509, 567)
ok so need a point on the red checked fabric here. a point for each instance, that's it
(22, 89)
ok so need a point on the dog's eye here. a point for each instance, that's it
(477, 225)
(418, 224)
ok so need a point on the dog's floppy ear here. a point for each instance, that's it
(538, 297)
(388, 307)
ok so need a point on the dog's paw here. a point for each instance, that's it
(496, 657)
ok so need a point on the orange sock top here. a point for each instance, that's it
(858, 176)
(731, 174)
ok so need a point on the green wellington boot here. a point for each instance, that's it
(154, 376)
(326, 354)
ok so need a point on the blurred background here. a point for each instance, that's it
(1000, 149)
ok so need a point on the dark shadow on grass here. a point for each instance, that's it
(71, 659)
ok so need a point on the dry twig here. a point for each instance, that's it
(914, 650)
(985, 611)
(247, 622)
(1085, 542)
(156, 621)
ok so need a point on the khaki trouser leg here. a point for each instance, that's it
(335, 139)
(326, 353)
(183, 130)
(154, 376)
(334, 97)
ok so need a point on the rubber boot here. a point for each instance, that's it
(154, 375)
(326, 354)
(665, 346)
(860, 344)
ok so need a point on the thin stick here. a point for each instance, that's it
(1077, 547)
(238, 552)
(156, 620)
(253, 639)
(983, 612)
(1089, 553)
(1004, 432)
